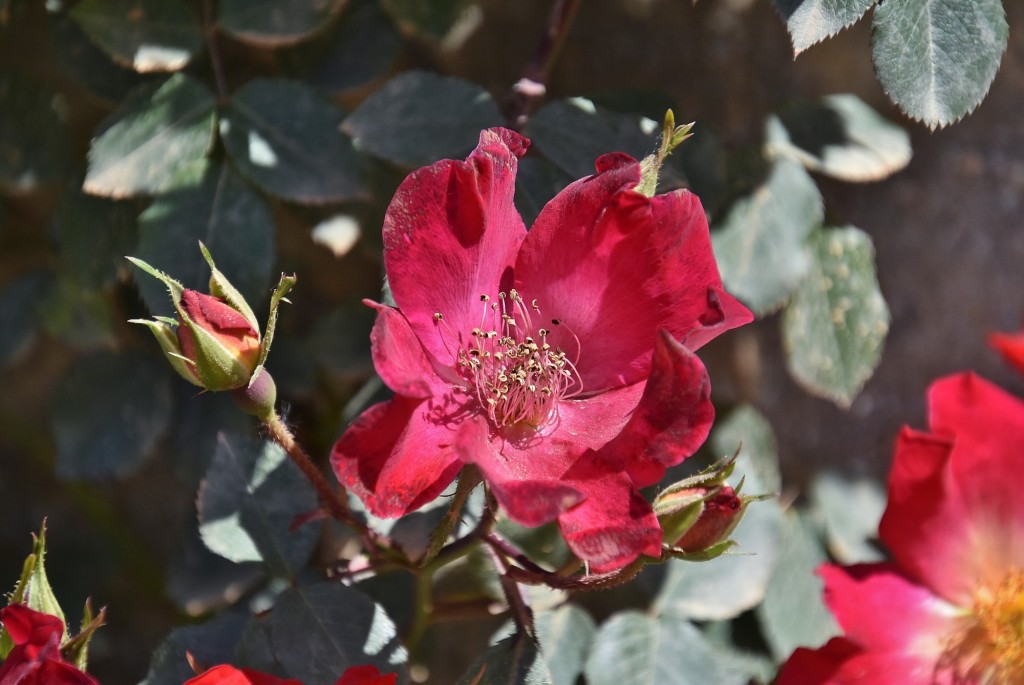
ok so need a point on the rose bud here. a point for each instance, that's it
(718, 518)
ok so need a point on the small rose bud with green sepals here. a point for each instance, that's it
(215, 342)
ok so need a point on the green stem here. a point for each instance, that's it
(422, 608)
(468, 480)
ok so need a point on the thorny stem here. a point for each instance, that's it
(531, 88)
(581, 583)
(506, 548)
(468, 480)
(210, 29)
(521, 613)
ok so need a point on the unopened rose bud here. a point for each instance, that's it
(221, 344)
(718, 518)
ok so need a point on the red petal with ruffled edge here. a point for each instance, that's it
(817, 666)
(673, 418)
(1011, 347)
(614, 266)
(841, 662)
(398, 356)
(30, 627)
(451, 234)
(396, 456)
(229, 675)
(882, 610)
(955, 519)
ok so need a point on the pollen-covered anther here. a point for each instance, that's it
(518, 377)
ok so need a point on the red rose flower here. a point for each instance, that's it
(234, 335)
(229, 675)
(950, 608)
(36, 657)
(559, 361)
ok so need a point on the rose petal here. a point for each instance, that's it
(229, 675)
(366, 675)
(30, 627)
(817, 666)
(396, 456)
(1011, 347)
(398, 356)
(450, 235)
(614, 266)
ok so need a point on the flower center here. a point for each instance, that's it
(518, 376)
(991, 650)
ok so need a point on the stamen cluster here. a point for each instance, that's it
(517, 375)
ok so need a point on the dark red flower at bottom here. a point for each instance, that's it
(36, 657)
(229, 675)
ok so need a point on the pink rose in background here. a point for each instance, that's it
(559, 361)
(229, 675)
(36, 657)
(950, 608)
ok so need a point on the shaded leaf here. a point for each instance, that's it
(147, 35)
(835, 325)
(223, 212)
(154, 142)
(793, 613)
(211, 643)
(247, 502)
(88, 65)
(565, 636)
(937, 58)
(200, 582)
(635, 649)
(82, 317)
(284, 137)
(434, 18)
(537, 181)
(364, 48)
(839, 136)
(198, 421)
(320, 630)
(35, 147)
(108, 413)
(20, 303)
(730, 584)
(852, 509)
(747, 430)
(573, 133)
(93, 234)
(275, 23)
(419, 117)
(812, 21)
(761, 244)
(513, 661)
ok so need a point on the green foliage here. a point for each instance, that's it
(936, 58)
(283, 136)
(836, 323)
(88, 65)
(431, 18)
(513, 661)
(247, 502)
(93, 234)
(146, 35)
(213, 642)
(811, 21)
(364, 48)
(34, 142)
(418, 117)
(851, 509)
(20, 303)
(565, 636)
(109, 412)
(273, 23)
(155, 141)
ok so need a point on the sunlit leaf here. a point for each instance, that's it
(108, 413)
(275, 23)
(247, 502)
(747, 430)
(761, 243)
(835, 325)
(284, 137)
(852, 509)
(839, 136)
(793, 613)
(34, 142)
(147, 35)
(513, 661)
(200, 582)
(88, 65)
(565, 636)
(936, 58)
(338, 627)
(229, 217)
(154, 142)
(420, 117)
(811, 21)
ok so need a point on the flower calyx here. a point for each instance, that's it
(215, 342)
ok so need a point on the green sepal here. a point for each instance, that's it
(33, 588)
(218, 367)
(676, 524)
(708, 554)
(712, 477)
(163, 331)
(284, 286)
(76, 649)
(221, 287)
(650, 166)
(173, 287)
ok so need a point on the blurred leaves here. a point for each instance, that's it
(761, 243)
(565, 636)
(364, 48)
(210, 643)
(247, 502)
(419, 117)
(154, 142)
(811, 21)
(431, 18)
(20, 303)
(229, 217)
(851, 509)
(109, 411)
(93, 234)
(34, 142)
(318, 631)
(513, 661)
(275, 23)
(937, 58)
(89, 66)
(839, 136)
(284, 137)
(147, 35)
(836, 324)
